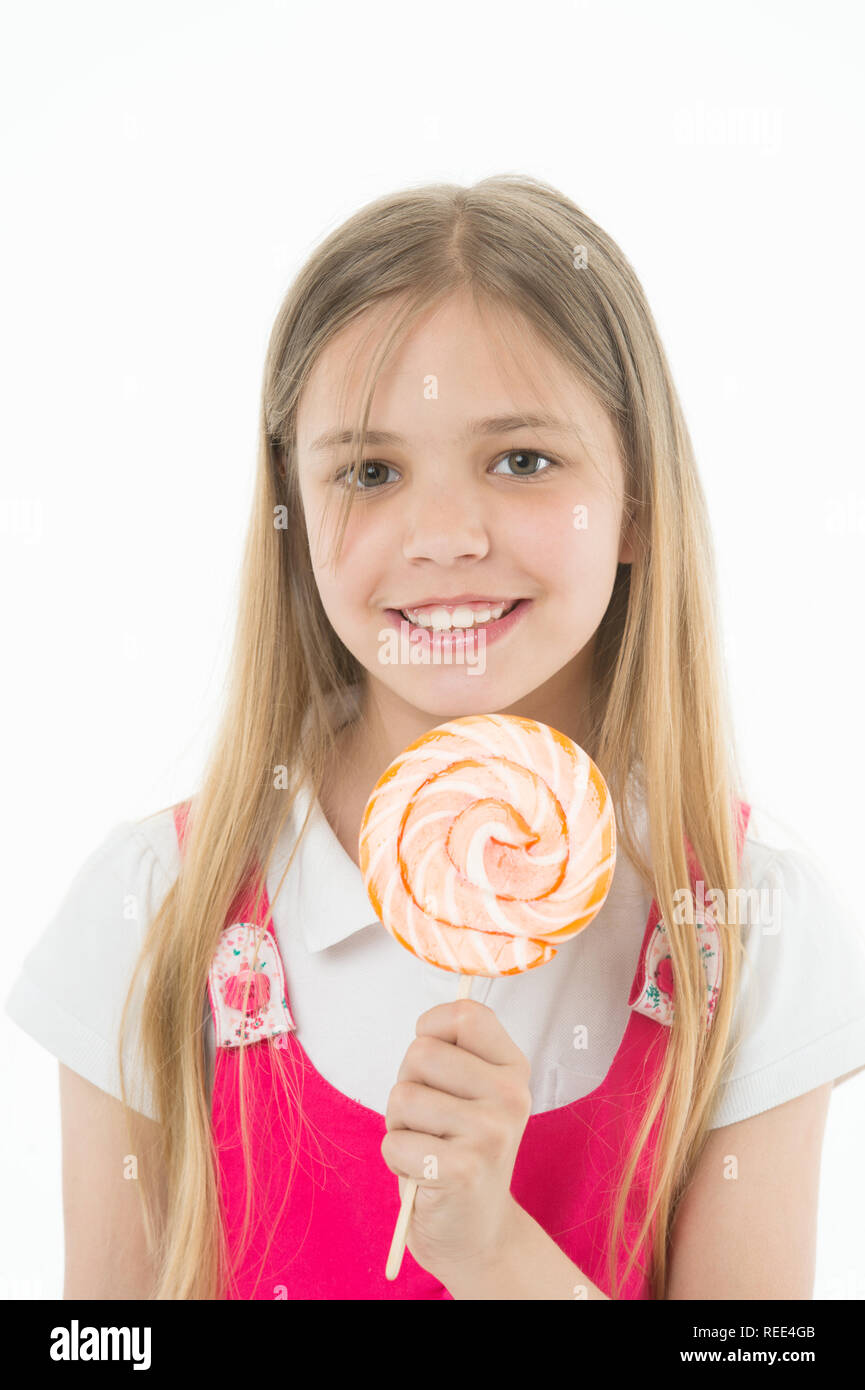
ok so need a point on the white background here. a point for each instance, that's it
(167, 169)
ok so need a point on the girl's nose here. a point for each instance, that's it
(445, 528)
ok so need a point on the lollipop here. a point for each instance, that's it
(488, 842)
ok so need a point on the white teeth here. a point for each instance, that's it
(440, 620)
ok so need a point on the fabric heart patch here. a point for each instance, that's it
(248, 991)
(654, 997)
(247, 987)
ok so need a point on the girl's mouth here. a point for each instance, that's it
(459, 636)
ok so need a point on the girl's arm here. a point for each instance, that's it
(106, 1250)
(747, 1224)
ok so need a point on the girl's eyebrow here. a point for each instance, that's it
(490, 424)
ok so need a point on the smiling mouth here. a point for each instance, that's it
(461, 617)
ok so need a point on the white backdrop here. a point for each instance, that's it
(168, 167)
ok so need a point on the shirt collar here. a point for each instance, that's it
(331, 900)
(328, 897)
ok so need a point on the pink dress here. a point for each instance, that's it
(321, 1228)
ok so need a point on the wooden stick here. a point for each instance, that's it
(397, 1245)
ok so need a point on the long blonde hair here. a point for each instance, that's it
(658, 702)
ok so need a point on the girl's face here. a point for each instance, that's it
(449, 507)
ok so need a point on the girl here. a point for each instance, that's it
(513, 457)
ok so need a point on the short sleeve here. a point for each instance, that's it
(72, 985)
(799, 1019)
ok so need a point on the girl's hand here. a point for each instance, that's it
(455, 1119)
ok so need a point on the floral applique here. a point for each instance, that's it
(246, 985)
(655, 998)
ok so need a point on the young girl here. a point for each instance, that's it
(470, 383)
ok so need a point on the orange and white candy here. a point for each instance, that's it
(488, 842)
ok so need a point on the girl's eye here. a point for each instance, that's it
(524, 458)
(362, 480)
(366, 479)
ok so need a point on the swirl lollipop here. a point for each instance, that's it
(488, 842)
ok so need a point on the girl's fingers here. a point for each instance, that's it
(445, 1067)
(429, 1159)
(472, 1027)
(414, 1106)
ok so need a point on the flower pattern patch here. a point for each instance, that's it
(246, 985)
(655, 996)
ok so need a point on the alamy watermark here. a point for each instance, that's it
(418, 646)
(76, 1343)
(759, 126)
(22, 518)
(750, 906)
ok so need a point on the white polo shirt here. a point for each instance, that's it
(356, 994)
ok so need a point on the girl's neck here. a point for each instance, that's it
(348, 782)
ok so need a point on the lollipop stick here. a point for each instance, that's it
(397, 1245)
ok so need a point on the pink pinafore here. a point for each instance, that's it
(329, 1237)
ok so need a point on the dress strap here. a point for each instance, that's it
(246, 984)
(246, 980)
(653, 988)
